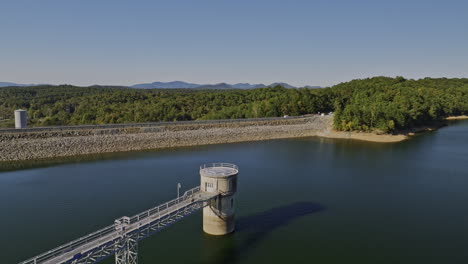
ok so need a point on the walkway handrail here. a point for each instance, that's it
(108, 229)
(147, 124)
(163, 206)
(70, 245)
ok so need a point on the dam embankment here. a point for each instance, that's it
(35, 144)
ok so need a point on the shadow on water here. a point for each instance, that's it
(51, 162)
(250, 230)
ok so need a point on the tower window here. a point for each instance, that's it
(209, 186)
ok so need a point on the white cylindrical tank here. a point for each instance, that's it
(220, 178)
(21, 119)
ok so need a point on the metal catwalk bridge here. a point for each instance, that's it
(122, 237)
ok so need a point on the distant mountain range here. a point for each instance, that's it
(185, 85)
(178, 84)
(167, 85)
(5, 84)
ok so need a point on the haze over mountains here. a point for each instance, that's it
(178, 84)
(185, 85)
(6, 84)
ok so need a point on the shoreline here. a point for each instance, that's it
(366, 136)
(36, 146)
(457, 117)
(22, 146)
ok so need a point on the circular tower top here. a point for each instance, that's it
(218, 170)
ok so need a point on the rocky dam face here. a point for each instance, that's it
(35, 144)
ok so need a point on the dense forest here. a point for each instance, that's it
(375, 104)
(393, 104)
(69, 105)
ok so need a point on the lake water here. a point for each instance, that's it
(308, 200)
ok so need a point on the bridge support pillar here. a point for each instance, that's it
(126, 250)
(128, 253)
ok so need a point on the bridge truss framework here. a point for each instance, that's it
(121, 238)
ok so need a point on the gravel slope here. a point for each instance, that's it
(51, 144)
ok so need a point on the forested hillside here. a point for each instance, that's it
(69, 105)
(392, 104)
(380, 103)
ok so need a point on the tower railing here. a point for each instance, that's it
(121, 238)
(219, 164)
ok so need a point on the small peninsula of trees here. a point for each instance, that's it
(380, 103)
(393, 104)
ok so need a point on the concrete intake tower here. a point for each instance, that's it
(221, 178)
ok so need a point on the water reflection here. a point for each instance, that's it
(251, 230)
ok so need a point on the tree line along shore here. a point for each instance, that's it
(379, 104)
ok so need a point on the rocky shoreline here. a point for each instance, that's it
(21, 146)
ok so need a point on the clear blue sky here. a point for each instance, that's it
(209, 41)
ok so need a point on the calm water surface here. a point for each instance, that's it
(307, 200)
